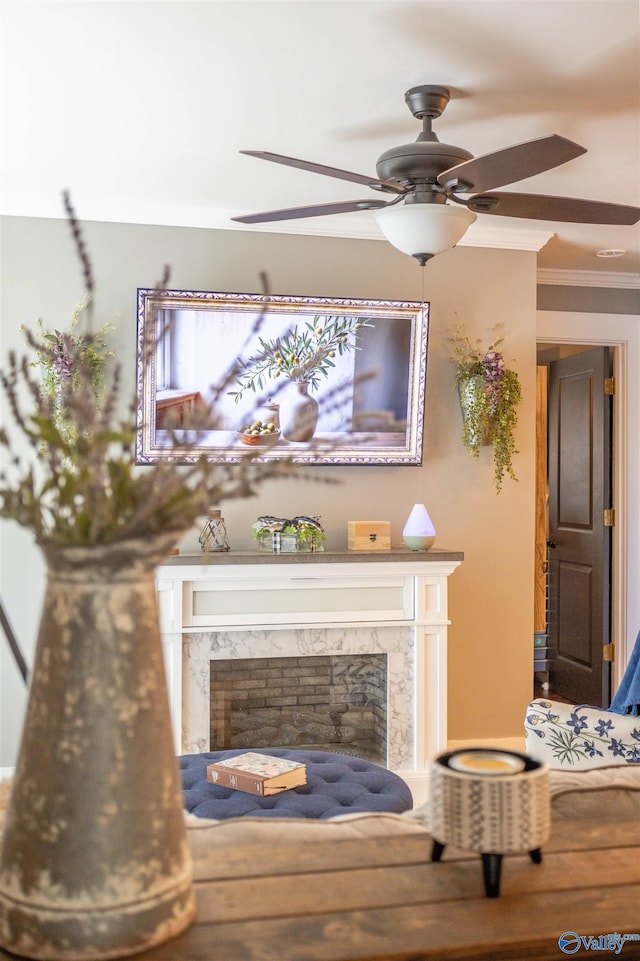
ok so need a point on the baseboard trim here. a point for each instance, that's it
(420, 781)
(6, 773)
(419, 784)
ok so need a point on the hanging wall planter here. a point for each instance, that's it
(489, 395)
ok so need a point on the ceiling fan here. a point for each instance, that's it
(427, 213)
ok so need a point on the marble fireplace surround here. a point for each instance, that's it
(249, 605)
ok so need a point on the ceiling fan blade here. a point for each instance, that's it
(511, 164)
(314, 168)
(564, 209)
(317, 210)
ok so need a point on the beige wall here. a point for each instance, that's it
(490, 674)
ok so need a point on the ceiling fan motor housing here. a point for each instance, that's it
(419, 162)
(422, 161)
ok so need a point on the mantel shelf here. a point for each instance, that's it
(394, 556)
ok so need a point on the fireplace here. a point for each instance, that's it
(334, 703)
(396, 645)
(226, 611)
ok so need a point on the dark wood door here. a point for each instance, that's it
(580, 412)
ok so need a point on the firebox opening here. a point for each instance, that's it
(334, 703)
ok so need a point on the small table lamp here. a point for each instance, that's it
(493, 802)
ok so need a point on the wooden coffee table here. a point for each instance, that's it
(383, 899)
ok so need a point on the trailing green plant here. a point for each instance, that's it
(304, 354)
(82, 485)
(489, 393)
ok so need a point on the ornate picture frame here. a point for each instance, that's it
(212, 365)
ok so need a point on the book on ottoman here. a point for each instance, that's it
(257, 774)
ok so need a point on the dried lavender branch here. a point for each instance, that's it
(81, 249)
(163, 283)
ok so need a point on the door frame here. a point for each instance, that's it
(622, 334)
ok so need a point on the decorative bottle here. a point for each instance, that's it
(213, 536)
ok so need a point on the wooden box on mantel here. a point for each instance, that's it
(369, 535)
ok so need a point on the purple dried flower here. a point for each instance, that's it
(493, 363)
(63, 363)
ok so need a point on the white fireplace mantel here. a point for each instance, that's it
(245, 604)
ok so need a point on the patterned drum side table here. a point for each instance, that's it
(493, 802)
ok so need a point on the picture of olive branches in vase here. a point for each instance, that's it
(304, 356)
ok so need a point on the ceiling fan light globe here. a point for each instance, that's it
(423, 230)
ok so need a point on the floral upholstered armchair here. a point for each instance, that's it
(580, 737)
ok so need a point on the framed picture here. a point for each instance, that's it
(317, 380)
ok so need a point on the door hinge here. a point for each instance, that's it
(610, 517)
(610, 385)
(608, 652)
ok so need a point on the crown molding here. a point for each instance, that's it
(589, 278)
(358, 226)
(362, 227)
(513, 238)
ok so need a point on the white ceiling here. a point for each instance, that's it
(140, 108)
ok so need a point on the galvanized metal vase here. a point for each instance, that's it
(95, 862)
(477, 435)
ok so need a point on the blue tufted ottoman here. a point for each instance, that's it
(336, 784)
